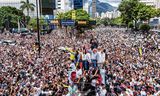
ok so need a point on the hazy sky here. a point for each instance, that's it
(112, 2)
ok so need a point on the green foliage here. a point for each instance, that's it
(144, 27)
(126, 8)
(11, 14)
(68, 15)
(130, 25)
(28, 6)
(27, 19)
(107, 21)
(133, 10)
(146, 12)
(117, 21)
(98, 21)
(60, 16)
(80, 15)
(158, 12)
(33, 23)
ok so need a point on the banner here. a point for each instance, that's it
(68, 22)
(82, 22)
(55, 22)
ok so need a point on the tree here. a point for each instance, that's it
(11, 15)
(144, 28)
(117, 21)
(33, 23)
(146, 12)
(28, 6)
(98, 20)
(133, 11)
(107, 21)
(80, 14)
(126, 9)
(158, 12)
(60, 15)
(129, 11)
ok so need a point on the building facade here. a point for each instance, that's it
(45, 7)
(77, 4)
(111, 14)
(64, 5)
(17, 4)
(87, 5)
(94, 8)
(90, 7)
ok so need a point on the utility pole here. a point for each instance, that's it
(38, 32)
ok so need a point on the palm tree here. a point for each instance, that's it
(28, 6)
(60, 15)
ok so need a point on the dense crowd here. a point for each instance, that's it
(108, 62)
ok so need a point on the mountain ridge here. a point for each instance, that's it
(104, 7)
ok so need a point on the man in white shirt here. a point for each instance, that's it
(103, 91)
(73, 66)
(86, 58)
(103, 56)
(94, 58)
(78, 72)
(100, 57)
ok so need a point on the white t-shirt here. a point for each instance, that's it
(99, 58)
(83, 56)
(129, 92)
(88, 57)
(38, 91)
(72, 65)
(143, 93)
(103, 57)
(94, 56)
(103, 92)
(78, 73)
(102, 72)
(157, 94)
(93, 83)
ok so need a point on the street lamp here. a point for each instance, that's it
(38, 32)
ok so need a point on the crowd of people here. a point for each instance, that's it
(108, 62)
